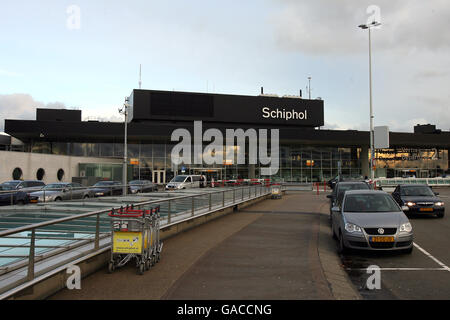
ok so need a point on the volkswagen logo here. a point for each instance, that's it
(380, 231)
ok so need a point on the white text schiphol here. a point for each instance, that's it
(283, 114)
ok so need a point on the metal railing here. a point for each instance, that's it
(173, 210)
(393, 182)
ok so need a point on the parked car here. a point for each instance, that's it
(419, 198)
(140, 186)
(107, 188)
(61, 191)
(340, 188)
(8, 197)
(25, 185)
(371, 220)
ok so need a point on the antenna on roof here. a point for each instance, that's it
(140, 82)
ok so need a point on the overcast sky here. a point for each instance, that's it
(49, 57)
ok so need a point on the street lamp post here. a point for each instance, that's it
(372, 151)
(124, 111)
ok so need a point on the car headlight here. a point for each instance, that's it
(350, 227)
(410, 204)
(406, 227)
(439, 204)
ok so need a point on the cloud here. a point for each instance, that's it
(7, 73)
(330, 27)
(22, 106)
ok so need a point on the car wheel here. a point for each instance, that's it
(20, 202)
(58, 199)
(86, 197)
(440, 215)
(342, 248)
(332, 231)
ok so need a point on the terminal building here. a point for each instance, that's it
(59, 146)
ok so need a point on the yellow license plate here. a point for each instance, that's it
(382, 239)
(33, 201)
(426, 209)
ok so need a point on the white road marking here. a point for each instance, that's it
(431, 257)
(442, 268)
(400, 269)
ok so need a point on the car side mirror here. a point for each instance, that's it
(405, 208)
(336, 209)
(436, 193)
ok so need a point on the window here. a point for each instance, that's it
(40, 174)
(17, 174)
(60, 174)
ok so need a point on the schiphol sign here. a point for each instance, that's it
(283, 114)
(224, 108)
(189, 151)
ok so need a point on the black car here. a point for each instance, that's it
(341, 187)
(107, 188)
(25, 185)
(9, 196)
(419, 198)
(140, 186)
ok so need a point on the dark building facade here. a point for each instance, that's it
(306, 152)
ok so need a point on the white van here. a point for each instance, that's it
(184, 182)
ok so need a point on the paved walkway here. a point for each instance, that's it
(276, 249)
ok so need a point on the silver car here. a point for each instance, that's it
(371, 220)
(61, 191)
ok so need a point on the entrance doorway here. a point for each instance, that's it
(159, 176)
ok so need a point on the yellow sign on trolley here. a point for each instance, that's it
(127, 242)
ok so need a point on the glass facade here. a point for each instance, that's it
(298, 163)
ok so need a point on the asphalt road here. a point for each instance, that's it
(280, 249)
(266, 251)
(424, 274)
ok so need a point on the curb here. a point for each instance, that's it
(340, 284)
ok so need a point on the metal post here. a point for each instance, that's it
(210, 202)
(168, 212)
(44, 194)
(97, 233)
(31, 256)
(242, 194)
(223, 199)
(234, 195)
(12, 198)
(372, 174)
(192, 213)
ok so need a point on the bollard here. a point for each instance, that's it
(317, 184)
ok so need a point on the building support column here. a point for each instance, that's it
(364, 160)
(251, 171)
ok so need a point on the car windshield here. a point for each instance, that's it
(137, 182)
(55, 186)
(9, 185)
(5, 186)
(416, 191)
(103, 183)
(179, 179)
(370, 203)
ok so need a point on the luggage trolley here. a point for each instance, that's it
(276, 192)
(135, 234)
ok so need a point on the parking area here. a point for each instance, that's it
(424, 274)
